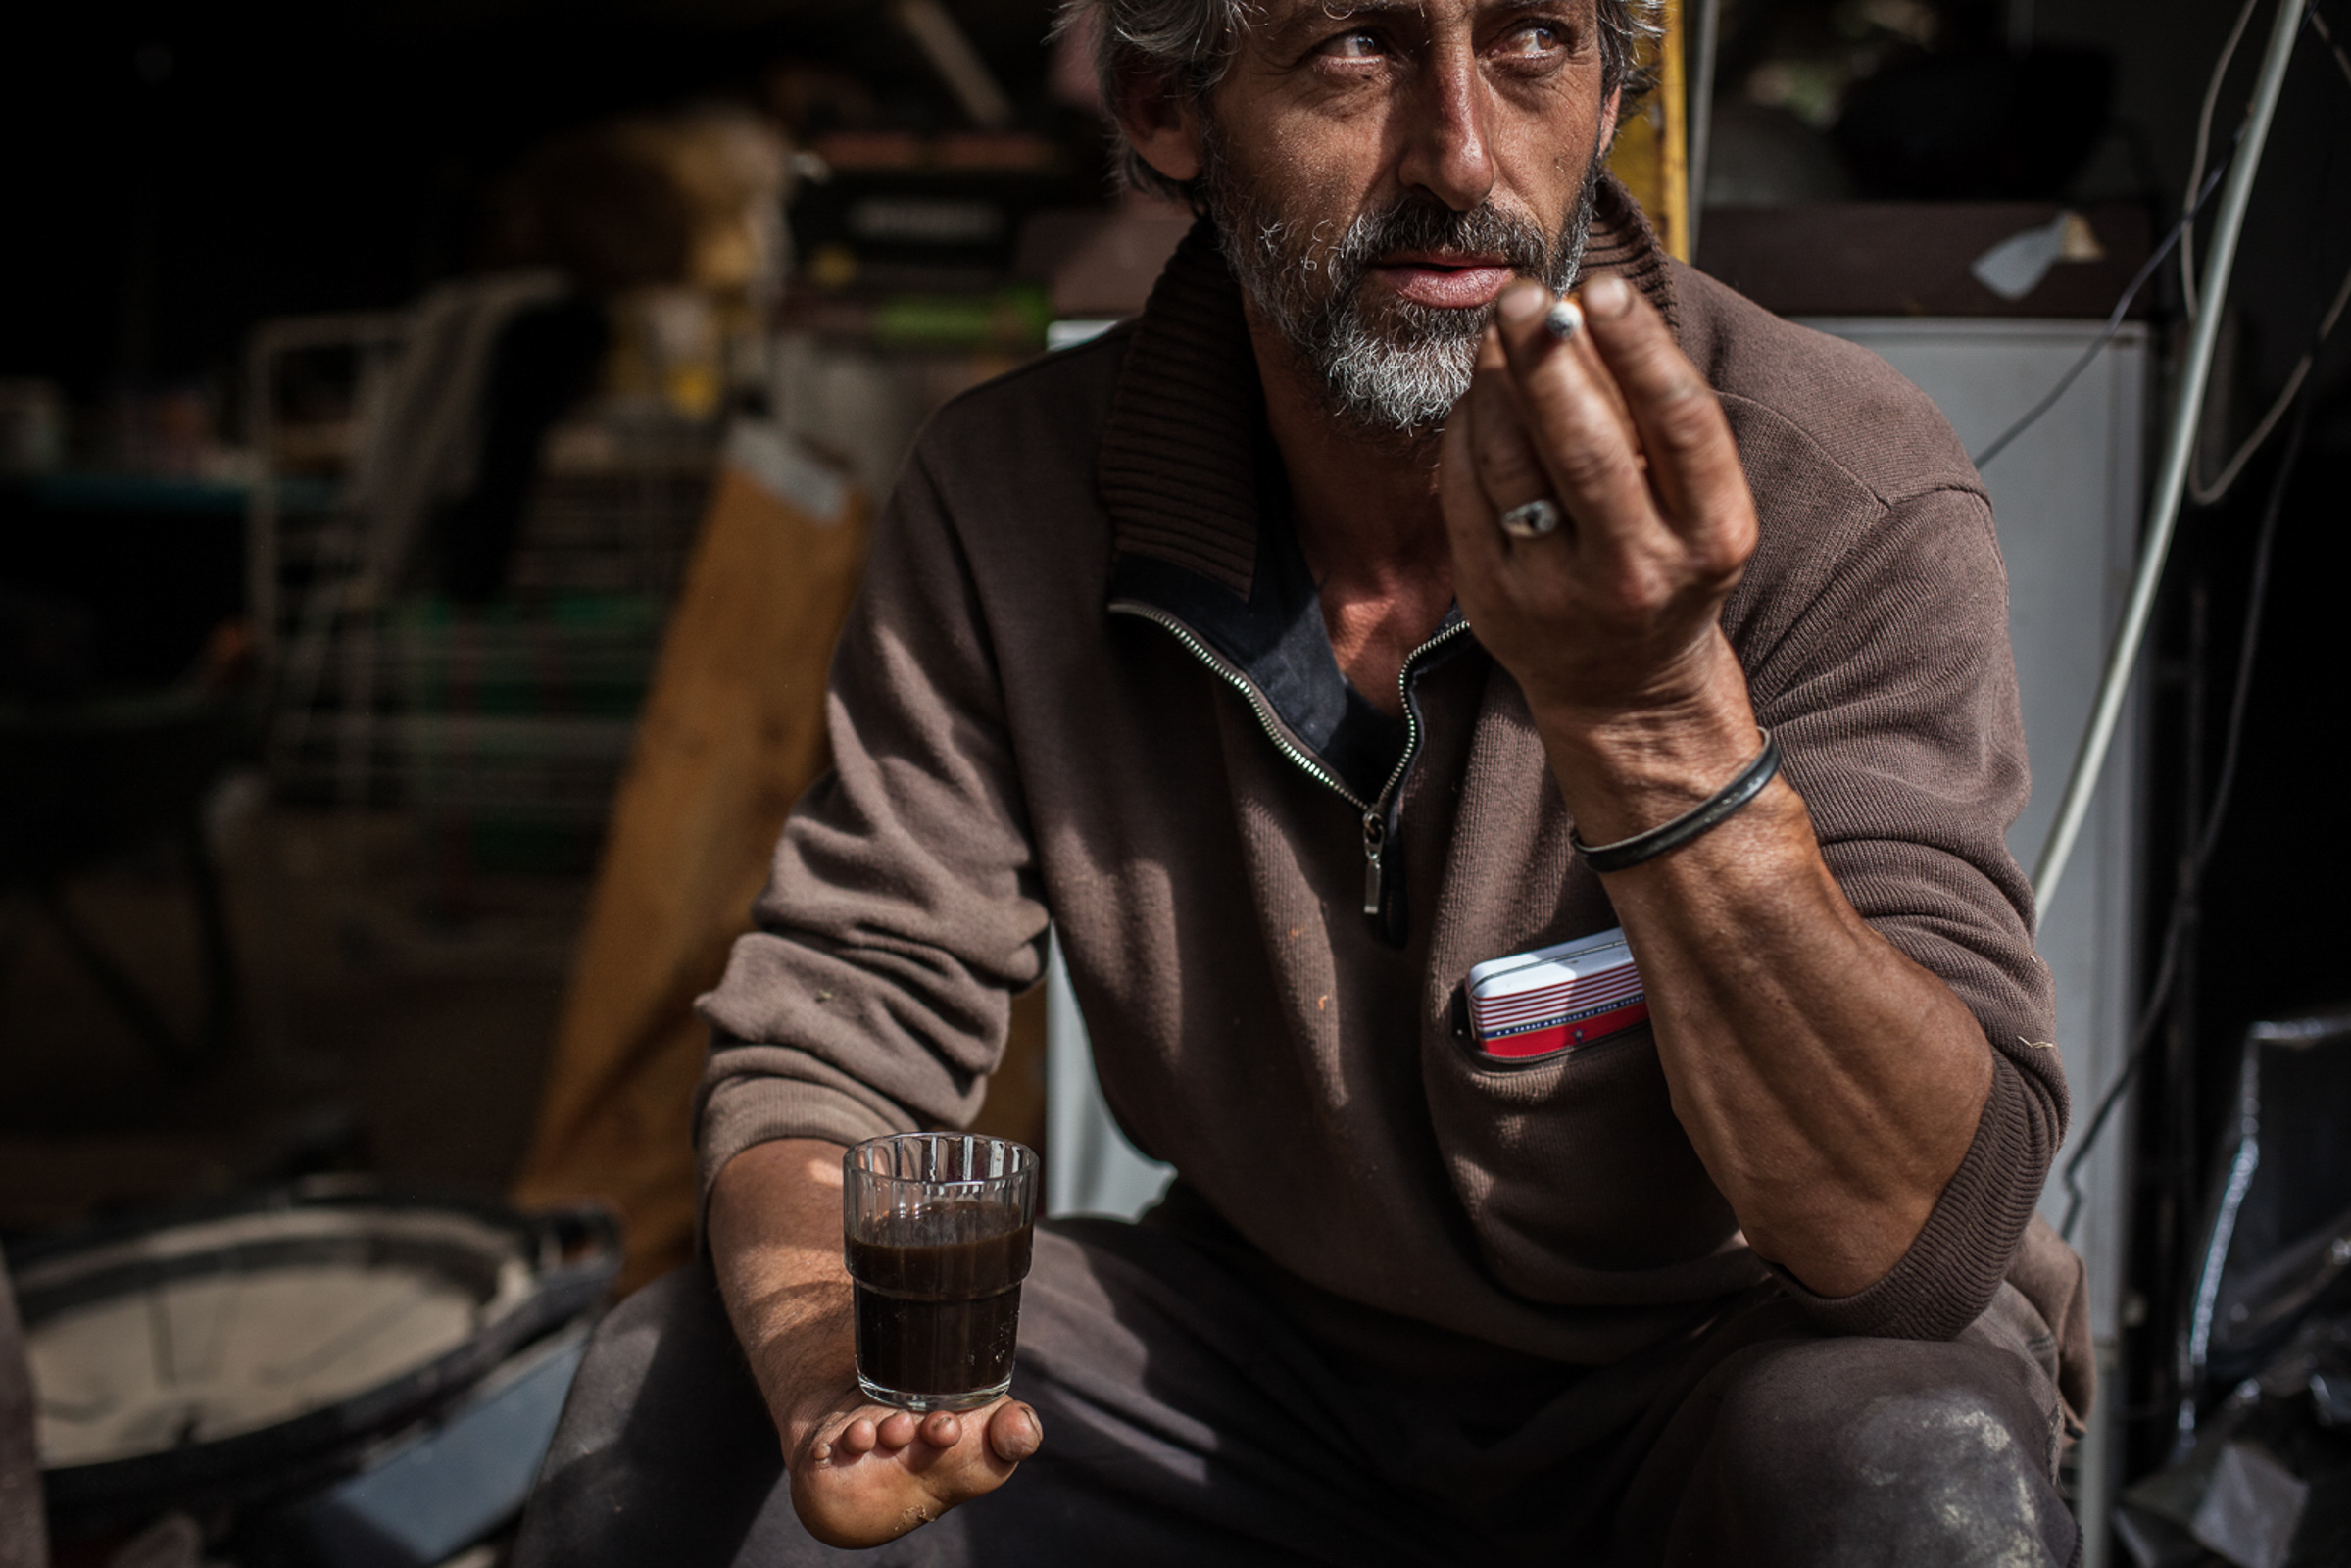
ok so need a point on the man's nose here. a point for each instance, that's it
(1446, 151)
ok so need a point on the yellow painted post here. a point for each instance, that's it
(1652, 155)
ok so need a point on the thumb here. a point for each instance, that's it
(1014, 1433)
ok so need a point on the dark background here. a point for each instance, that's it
(183, 172)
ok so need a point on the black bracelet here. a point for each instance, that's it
(1626, 854)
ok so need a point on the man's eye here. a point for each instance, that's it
(1537, 39)
(1351, 46)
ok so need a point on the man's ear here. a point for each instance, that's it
(1163, 125)
(1608, 111)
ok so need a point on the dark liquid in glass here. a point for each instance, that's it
(938, 1317)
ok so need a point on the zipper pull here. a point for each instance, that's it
(1375, 838)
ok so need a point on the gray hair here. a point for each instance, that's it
(1188, 44)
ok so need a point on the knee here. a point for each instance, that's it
(620, 1356)
(1882, 1451)
(662, 1441)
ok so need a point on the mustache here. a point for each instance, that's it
(1419, 223)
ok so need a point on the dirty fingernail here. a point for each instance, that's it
(1523, 301)
(1015, 1433)
(1564, 320)
(1607, 296)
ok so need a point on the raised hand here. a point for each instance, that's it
(1611, 623)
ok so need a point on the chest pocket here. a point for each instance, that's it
(1532, 1006)
(1553, 1113)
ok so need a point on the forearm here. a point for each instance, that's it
(1831, 1085)
(775, 1235)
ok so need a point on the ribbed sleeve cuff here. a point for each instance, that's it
(1952, 1271)
(739, 1112)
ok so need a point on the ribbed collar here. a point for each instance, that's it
(1179, 472)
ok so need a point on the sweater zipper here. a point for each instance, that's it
(1223, 670)
(1377, 817)
(1375, 814)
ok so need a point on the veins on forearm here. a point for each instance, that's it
(1830, 1085)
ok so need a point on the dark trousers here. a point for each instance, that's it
(1188, 1421)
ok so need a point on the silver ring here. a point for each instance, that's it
(1532, 519)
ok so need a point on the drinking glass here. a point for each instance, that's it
(936, 1229)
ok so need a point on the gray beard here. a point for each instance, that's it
(1399, 375)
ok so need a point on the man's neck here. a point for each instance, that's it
(1367, 521)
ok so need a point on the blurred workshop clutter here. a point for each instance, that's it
(429, 493)
(1919, 100)
(2259, 1466)
(731, 735)
(677, 224)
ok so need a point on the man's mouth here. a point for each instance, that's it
(1445, 279)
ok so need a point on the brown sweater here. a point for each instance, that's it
(1088, 682)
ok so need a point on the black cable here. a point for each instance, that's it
(2192, 873)
(2114, 322)
(2208, 495)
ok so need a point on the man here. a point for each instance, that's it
(1290, 650)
